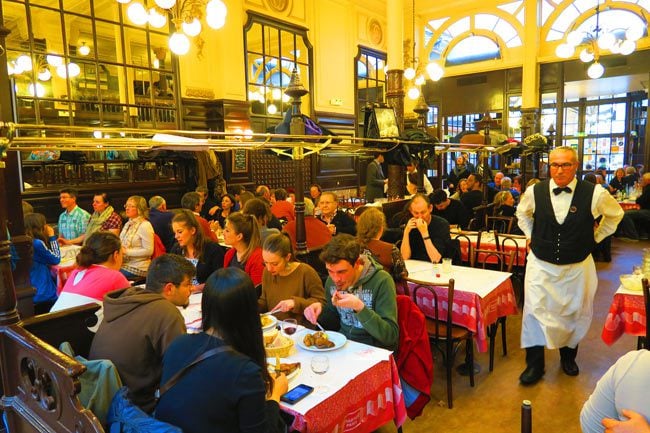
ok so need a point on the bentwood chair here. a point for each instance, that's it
(644, 341)
(502, 224)
(500, 261)
(443, 334)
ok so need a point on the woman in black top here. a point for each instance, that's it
(205, 255)
(617, 182)
(228, 391)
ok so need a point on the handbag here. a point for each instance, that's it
(125, 417)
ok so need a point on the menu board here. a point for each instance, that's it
(240, 161)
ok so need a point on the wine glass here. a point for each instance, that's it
(319, 365)
(289, 326)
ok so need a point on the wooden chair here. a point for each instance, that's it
(479, 220)
(466, 238)
(502, 224)
(444, 333)
(644, 341)
(519, 266)
(501, 261)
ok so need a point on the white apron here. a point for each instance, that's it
(558, 303)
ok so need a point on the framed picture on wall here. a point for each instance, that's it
(240, 161)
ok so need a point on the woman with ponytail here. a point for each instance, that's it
(241, 232)
(98, 262)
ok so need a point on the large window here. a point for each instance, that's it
(273, 51)
(84, 63)
(371, 82)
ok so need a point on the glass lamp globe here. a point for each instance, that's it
(564, 51)
(45, 75)
(137, 14)
(36, 89)
(124, 2)
(62, 71)
(214, 21)
(272, 109)
(215, 14)
(606, 40)
(165, 4)
(84, 49)
(616, 48)
(409, 73)
(193, 28)
(419, 80)
(634, 33)
(413, 93)
(435, 71)
(179, 43)
(586, 55)
(627, 47)
(73, 70)
(156, 19)
(24, 63)
(10, 68)
(596, 70)
(53, 60)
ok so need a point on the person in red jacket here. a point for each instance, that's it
(242, 234)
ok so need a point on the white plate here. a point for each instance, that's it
(271, 366)
(271, 325)
(337, 338)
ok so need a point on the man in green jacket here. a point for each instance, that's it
(361, 302)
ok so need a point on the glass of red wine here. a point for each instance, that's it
(289, 326)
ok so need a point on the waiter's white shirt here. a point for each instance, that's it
(428, 189)
(558, 303)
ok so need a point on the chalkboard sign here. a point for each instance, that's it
(240, 161)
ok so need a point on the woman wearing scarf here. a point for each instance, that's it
(104, 218)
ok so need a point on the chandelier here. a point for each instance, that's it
(186, 15)
(414, 73)
(591, 44)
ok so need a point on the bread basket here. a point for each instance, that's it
(281, 347)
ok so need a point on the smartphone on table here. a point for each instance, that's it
(296, 394)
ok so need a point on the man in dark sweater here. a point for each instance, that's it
(636, 222)
(161, 220)
(426, 236)
(558, 216)
(337, 221)
(140, 323)
(474, 195)
(453, 211)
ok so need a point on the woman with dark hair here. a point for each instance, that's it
(618, 182)
(46, 254)
(205, 255)
(98, 272)
(242, 233)
(287, 285)
(227, 207)
(226, 392)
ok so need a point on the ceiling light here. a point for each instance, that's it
(84, 49)
(179, 43)
(137, 14)
(596, 70)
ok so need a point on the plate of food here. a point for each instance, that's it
(283, 365)
(319, 341)
(268, 321)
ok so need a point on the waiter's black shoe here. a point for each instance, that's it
(570, 367)
(531, 375)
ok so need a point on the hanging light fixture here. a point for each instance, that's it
(186, 15)
(592, 43)
(84, 49)
(414, 72)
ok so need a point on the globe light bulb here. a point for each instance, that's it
(413, 93)
(36, 89)
(45, 75)
(606, 40)
(192, 28)
(634, 33)
(272, 109)
(156, 19)
(628, 47)
(165, 4)
(564, 51)
(84, 49)
(179, 44)
(24, 62)
(214, 21)
(73, 70)
(586, 55)
(435, 71)
(53, 60)
(215, 14)
(124, 2)
(276, 94)
(137, 14)
(409, 73)
(596, 70)
(62, 71)
(10, 68)
(419, 80)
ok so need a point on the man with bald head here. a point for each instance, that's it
(558, 216)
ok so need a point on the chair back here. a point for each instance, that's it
(436, 305)
(516, 244)
(482, 235)
(646, 301)
(502, 224)
(501, 260)
(480, 214)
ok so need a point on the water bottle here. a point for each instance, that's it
(526, 417)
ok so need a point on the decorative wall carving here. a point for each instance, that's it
(375, 32)
(278, 5)
(199, 92)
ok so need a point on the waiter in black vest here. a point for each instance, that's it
(558, 217)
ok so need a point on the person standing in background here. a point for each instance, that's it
(375, 179)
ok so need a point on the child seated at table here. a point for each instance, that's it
(46, 254)
(98, 272)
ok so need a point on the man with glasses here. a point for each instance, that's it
(558, 217)
(73, 221)
(140, 323)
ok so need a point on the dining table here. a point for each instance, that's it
(359, 392)
(481, 296)
(626, 315)
(515, 243)
(629, 204)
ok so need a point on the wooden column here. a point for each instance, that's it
(296, 91)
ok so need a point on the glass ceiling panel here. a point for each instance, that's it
(520, 16)
(435, 24)
(511, 8)
(460, 26)
(585, 5)
(566, 19)
(547, 9)
(473, 49)
(514, 42)
(505, 30)
(611, 20)
(485, 21)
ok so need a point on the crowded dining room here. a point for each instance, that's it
(340, 215)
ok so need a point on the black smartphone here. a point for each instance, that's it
(296, 394)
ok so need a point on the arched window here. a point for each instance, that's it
(473, 49)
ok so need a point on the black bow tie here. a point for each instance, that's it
(558, 190)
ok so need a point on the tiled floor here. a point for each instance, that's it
(493, 405)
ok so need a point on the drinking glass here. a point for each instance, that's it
(289, 326)
(320, 364)
(446, 266)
